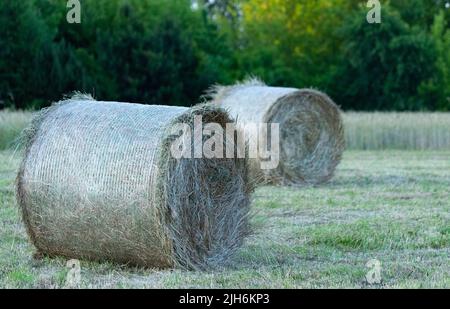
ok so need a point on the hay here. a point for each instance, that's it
(98, 182)
(311, 129)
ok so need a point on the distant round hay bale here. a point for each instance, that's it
(311, 129)
(98, 182)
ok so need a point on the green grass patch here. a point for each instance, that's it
(378, 235)
(21, 276)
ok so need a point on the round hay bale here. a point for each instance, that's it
(98, 182)
(311, 129)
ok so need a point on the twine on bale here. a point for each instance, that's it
(311, 129)
(98, 182)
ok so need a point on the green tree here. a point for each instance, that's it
(421, 13)
(22, 49)
(159, 52)
(437, 89)
(152, 51)
(290, 42)
(383, 66)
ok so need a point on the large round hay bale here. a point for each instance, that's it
(310, 125)
(98, 182)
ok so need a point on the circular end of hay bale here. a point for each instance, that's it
(311, 137)
(206, 200)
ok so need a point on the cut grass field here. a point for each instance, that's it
(393, 206)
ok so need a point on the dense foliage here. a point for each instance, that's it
(170, 51)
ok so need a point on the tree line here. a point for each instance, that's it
(170, 51)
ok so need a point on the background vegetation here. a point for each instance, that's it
(169, 52)
(363, 130)
(401, 131)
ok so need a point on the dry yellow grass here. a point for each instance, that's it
(406, 131)
(363, 130)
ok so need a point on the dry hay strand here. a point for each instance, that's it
(98, 182)
(311, 129)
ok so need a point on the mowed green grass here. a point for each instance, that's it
(393, 206)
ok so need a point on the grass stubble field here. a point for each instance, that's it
(389, 205)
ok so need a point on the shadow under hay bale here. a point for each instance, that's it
(98, 182)
(311, 129)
